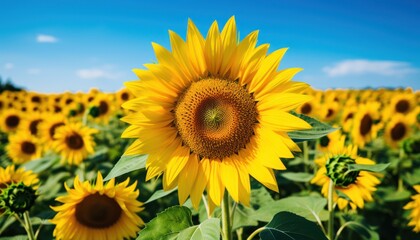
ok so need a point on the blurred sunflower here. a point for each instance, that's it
(365, 127)
(328, 142)
(357, 185)
(98, 212)
(31, 123)
(123, 95)
(49, 126)
(23, 147)
(209, 112)
(10, 120)
(402, 103)
(74, 142)
(103, 107)
(397, 130)
(308, 108)
(415, 210)
(10, 175)
(347, 116)
(329, 110)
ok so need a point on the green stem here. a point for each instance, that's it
(28, 225)
(226, 221)
(255, 233)
(331, 210)
(344, 226)
(206, 206)
(305, 155)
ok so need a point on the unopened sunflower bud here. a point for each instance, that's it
(337, 170)
(17, 198)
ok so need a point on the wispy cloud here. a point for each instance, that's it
(42, 38)
(9, 66)
(363, 66)
(94, 73)
(33, 71)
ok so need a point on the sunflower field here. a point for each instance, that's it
(213, 141)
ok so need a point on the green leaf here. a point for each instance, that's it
(287, 225)
(367, 167)
(160, 194)
(309, 207)
(363, 231)
(318, 130)
(17, 237)
(244, 217)
(297, 176)
(412, 178)
(39, 165)
(167, 224)
(127, 163)
(207, 230)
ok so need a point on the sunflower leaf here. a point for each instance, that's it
(363, 231)
(41, 164)
(297, 176)
(209, 229)
(368, 167)
(167, 224)
(159, 194)
(126, 164)
(287, 225)
(318, 130)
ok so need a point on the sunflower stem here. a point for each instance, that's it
(255, 233)
(206, 206)
(306, 156)
(28, 225)
(226, 221)
(331, 210)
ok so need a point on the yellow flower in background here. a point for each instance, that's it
(10, 175)
(209, 112)
(402, 103)
(357, 185)
(365, 128)
(347, 116)
(330, 141)
(10, 120)
(74, 142)
(98, 211)
(49, 126)
(329, 110)
(23, 147)
(31, 122)
(414, 206)
(397, 129)
(104, 107)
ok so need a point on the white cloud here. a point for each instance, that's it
(93, 73)
(9, 66)
(363, 66)
(42, 38)
(33, 71)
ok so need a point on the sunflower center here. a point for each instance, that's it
(36, 99)
(365, 124)
(306, 108)
(398, 131)
(330, 113)
(124, 96)
(33, 126)
(215, 118)
(28, 147)
(75, 141)
(402, 106)
(337, 170)
(324, 141)
(103, 107)
(12, 121)
(348, 117)
(53, 128)
(98, 211)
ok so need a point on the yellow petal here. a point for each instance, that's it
(187, 177)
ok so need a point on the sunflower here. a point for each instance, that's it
(10, 120)
(31, 123)
(123, 95)
(309, 109)
(403, 103)
(397, 130)
(328, 142)
(105, 107)
(209, 112)
(357, 186)
(74, 142)
(10, 175)
(98, 212)
(49, 126)
(23, 147)
(329, 110)
(415, 210)
(365, 127)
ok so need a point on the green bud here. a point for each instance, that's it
(17, 198)
(337, 170)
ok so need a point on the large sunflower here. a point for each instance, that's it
(213, 111)
(23, 147)
(357, 186)
(98, 212)
(74, 142)
(414, 205)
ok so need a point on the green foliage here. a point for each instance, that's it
(318, 130)
(8, 86)
(126, 164)
(370, 168)
(160, 194)
(297, 176)
(289, 226)
(207, 230)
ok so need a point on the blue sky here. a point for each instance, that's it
(54, 46)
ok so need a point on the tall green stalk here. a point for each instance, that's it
(331, 210)
(226, 221)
